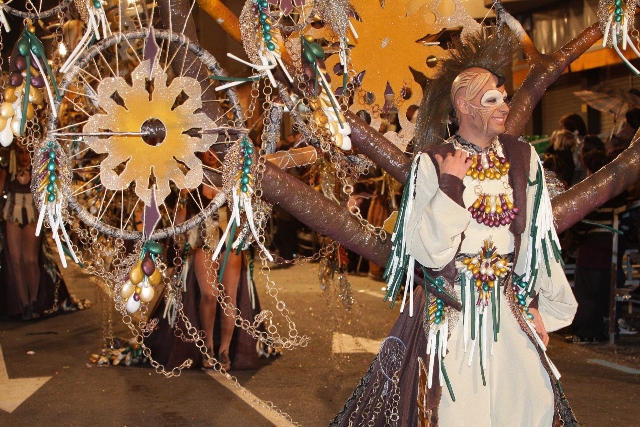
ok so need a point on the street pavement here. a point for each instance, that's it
(47, 378)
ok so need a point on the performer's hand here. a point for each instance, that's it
(539, 325)
(456, 164)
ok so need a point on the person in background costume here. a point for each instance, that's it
(20, 214)
(30, 282)
(574, 123)
(562, 144)
(476, 228)
(200, 303)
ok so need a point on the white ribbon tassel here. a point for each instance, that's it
(54, 213)
(43, 210)
(97, 20)
(466, 316)
(473, 341)
(65, 235)
(431, 346)
(249, 212)
(408, 287)
(444, 338)
(252, 293)
(47, 85)
(235, 216)
(3, 21)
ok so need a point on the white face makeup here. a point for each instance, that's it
(493, 98)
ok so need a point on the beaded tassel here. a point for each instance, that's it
(47, 169)
(269, 53)
(616, 21)
(488, 165)
(326, 112)
(143, 278)
(241, 194)
(31, 48)
(543, 240)
(482, 274)
(399, 259)
(492, 210)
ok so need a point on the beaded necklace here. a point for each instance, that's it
(492, 210)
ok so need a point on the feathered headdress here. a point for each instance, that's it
(491, 48)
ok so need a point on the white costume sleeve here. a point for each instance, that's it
(436, 222)
(556, 302)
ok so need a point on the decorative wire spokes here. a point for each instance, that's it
(390, 357)
(33, 9)
(116, 63)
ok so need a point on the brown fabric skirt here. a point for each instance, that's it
(171, 351)
(370, 394)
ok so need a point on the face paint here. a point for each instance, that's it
(485, 100)
(490, 101)
(493, 98)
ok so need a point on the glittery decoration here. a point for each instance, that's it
(554, 185)
(151, 49)
(459, 18)
(250, 28)
(386, 36)
(53, 177)
(286, 6)
(81, 7)
(151, 215)
(130, 157)
(616, 18)
(335, 13)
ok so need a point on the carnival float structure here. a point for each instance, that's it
(115, 99)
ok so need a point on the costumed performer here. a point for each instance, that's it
(30, 282)
(200, 301)
(476, 224)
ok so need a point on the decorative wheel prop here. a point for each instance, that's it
(137, 121)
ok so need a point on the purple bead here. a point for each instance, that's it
(20, 63)
(37, 81)
(15, 79)
(136, 297)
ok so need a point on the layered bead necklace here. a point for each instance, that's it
(492, 210)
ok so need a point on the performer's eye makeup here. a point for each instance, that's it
(493, 98)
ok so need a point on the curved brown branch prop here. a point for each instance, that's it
(335, 222)
(545, 69)
(575, 203)
(379, 149)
